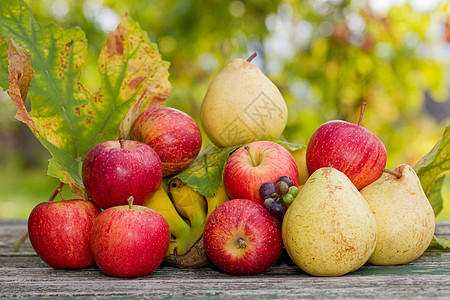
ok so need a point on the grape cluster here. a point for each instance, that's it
(279, 195)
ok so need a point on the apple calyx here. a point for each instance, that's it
(393, 172)
(241, 243)
(251, 57)
(247, 147)
(361, 114)
(130, 202)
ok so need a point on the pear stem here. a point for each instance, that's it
(130, 202)
(392, 172)
(251, 57)
(250, 154)
(361, 114)
(241, 243)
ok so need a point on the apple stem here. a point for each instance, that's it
(60, 192)
(130, 202)
(251, 57)
(361, 114)
(392, 172)
(19, 243)
(24, 237)
(57, 191)
(121, 143)
(247, 147)
(241, 243)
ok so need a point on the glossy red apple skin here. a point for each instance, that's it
(173, 134)
(242, 179)
(59, 232)
(247, 220)
(348, 147)
(115, 170)
(129, 242)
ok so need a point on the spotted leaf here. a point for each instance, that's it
(433, 168)
(67, 118)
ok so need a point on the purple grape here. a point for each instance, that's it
(281, 188)
(268, 201)
(276, 209)
(267, 190)
(286, 179)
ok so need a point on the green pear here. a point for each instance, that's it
(404, 216)
(242, 105)
(329, 230)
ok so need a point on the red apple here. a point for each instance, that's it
(254, 164)
(115, 170)
(173, 134)
(129, 240)
(241, 237)
(59, 232)
(348, 147)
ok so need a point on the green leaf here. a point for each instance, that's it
(66, 117)
(291, 147)
(434, 195)
(205, 174)
(432, 169)
(3, 63)
(439, 242)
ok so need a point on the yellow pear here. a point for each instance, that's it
(404, 216)
(329, 229)
(300, 160)
(242, 105)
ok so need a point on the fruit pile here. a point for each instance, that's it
(348, 212)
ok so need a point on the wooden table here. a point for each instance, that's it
(23, 274)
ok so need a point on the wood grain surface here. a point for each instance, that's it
(23, 274)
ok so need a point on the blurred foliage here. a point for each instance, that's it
(326, 57)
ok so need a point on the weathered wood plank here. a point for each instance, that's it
(24, 274)
(443, 228)
(158, 285)
(11, 230)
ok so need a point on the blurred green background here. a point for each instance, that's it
(326, 57)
